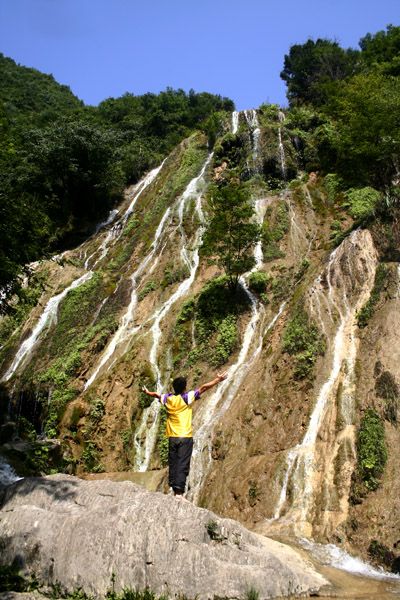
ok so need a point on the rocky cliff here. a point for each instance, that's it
(302, 437)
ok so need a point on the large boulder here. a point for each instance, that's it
(83, 534)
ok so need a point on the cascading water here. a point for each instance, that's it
(47, 318)
(354, 261)
(191, 260)
(235, 121)
(255, 136)
(282, 157)
(49, 314)
(214, 405)
(117, 230)
(126, 329)
(7, 473)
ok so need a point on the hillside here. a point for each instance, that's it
(301, 439)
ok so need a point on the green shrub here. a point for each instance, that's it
(132, 223)
(11, 580)
(213, 531)
(367, 311)
(371, 449)
(37, 459)
(258, 281)
(55, 409)
(149, 287)
(332, 183)
(186, 312)
(226, 340)
(90, 458)
(362, 201)
(97, 410)
(302, 341)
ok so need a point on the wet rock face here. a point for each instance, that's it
(77, 533)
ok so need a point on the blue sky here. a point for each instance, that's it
(104, 48)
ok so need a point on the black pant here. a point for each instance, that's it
(179, 455)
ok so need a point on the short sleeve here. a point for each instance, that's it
(163, 398)
(190, 397)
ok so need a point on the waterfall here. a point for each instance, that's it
(342, 301)
(117, 230)
(254, 135)
(47, 318)
(260, 207)
(235, 121)
(215, 404)
(125, 330)
(191, 259)
(280, 146)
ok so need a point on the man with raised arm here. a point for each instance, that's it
(179, 428)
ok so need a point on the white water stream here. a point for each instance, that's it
(190, 258)
(47, 318)
(215, 404)
(7, 473)
(235, 121)
(118, 228)
(340, 302)
(329, 554)
(255, 134)
(125, 330)
(280, 146)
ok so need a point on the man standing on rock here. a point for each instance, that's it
(179, 428)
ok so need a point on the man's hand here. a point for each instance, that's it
(152, 394)
(206, 386)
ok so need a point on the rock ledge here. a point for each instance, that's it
(78, 533)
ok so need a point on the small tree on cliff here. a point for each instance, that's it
(232, 233)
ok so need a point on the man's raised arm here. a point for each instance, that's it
(210, 384)
(152, 394)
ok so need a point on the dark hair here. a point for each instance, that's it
(179, 384)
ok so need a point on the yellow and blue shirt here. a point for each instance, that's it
(179, 413)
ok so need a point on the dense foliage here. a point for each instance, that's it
(63, 165)
(231, 234)
(345, 110)
(371, 449)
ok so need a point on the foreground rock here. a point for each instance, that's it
(78, 533)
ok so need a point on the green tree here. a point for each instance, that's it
(383, 50)
(366, 112)
(232, 232)
(73, 168)
(309, 69)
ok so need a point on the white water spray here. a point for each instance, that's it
(47, 318)
(7, 473)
